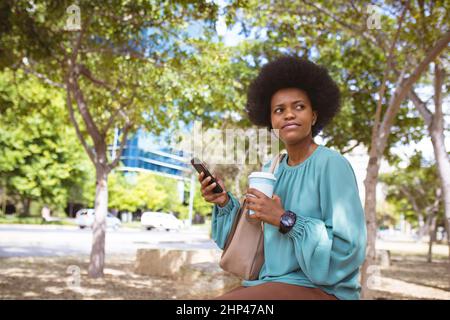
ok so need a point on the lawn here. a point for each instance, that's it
(408, 277)
(14, 219)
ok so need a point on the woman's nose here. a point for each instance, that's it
(289, 115)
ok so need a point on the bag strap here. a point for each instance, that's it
(275, 162)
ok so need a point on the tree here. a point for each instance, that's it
(435, 126)
(415, 192)
(122, 193)
(40, 158)
(149, 191)
(117, 71)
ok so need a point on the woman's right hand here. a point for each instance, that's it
(221, 199)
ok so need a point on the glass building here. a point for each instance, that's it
(143, 152)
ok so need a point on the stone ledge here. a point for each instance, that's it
(168, 262)
(197, 272)
(206, 280)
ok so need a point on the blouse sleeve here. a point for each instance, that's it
(222, 220)
(330, 249)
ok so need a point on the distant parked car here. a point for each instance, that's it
(160, 220)
(85, 219)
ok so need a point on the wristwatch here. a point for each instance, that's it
(287, 221)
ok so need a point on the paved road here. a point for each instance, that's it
(35, 240)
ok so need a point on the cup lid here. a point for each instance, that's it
(261, 174)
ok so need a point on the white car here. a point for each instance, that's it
(160, 220)
(85, 218)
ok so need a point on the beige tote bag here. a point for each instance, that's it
(243, 254)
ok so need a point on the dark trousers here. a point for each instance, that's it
(275, 291)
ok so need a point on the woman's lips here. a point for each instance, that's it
(290, 126)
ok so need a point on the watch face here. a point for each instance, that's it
(288, 219)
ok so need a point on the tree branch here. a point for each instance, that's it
(382, 90)
(110, 121)
(351, 148)
(353, 28)
(73, 87)
(383, 130)
(410, 197)
(84, 111)
(439, 75)
(29, 70)
(421, 107)
(405, 86)
(77, 128)
(77, 44)
(120, 110)
(83, 70)
(123, 141)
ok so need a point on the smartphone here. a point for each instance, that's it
(200, 167)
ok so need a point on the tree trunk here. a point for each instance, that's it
(370, 184)
(432, 238)
(427, 227)
(97, 259)
(4, 191)
(421, 229)
(437, 138)
(447, 229)
(26, 207)
(443, 164)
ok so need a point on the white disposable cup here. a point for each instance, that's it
(262, 181)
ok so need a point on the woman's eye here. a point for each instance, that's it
(278, 110)
(300, 106)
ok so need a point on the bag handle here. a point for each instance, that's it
(275, 162)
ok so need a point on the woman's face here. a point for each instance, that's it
(291, 112)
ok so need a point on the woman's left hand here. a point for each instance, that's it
(266, 209)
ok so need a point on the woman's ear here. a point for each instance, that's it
(314, 118)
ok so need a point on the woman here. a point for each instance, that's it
(314, 226)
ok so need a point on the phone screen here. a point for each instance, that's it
(201, 167)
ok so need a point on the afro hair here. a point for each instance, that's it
(293, 72)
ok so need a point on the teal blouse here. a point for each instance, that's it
(326, 246)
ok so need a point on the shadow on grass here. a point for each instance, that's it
(415, 269)
(408, 277)
(48, 278)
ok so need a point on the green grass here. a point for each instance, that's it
(13, 219)
(133, 224)
(415, 248)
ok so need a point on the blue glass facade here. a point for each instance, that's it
(142, 153)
